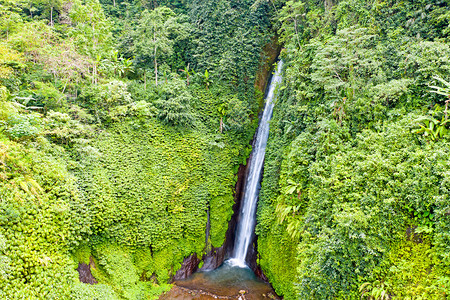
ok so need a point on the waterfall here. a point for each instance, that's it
(247, 215)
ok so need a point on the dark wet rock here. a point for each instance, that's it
(181, 293)
(84, 271)
(188, 267)
(214, 258)
(270, 54)
(228, 281)
(414, 236)
(259, 273)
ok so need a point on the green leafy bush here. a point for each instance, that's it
(23, 126)
(40, 222)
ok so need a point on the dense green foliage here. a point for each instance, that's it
(122, 124)
(355, 197)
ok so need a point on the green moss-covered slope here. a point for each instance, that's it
(152, 185)
(40, 223)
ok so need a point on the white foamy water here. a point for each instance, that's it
(247, 217)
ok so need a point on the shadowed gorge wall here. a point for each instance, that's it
(216, 255)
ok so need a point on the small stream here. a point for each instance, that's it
(234, 279)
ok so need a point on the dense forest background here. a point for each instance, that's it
(123, 124)
(355, 196)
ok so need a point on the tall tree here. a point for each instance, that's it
(290, 18)
(10, 16)
(156, 34)
(51, 5)
(92, 32)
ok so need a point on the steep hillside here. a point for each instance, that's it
(355, 196)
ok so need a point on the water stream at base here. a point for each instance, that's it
(234, 276)
(225, 282)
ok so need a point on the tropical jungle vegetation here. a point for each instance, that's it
(123, 124)
(355, 197)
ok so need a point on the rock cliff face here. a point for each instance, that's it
(269, 56)
(215, 257)
(189, 266)
(84, 272)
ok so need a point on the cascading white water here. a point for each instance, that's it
(247, 217)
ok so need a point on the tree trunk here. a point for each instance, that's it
(156, 70)
(65, 85)
(221, 125)
(94, 46)
(187, 74)
(94, 73)
(446, 108)
(296, 32)
(156, 63)
(51, 16)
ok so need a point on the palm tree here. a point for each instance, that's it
(445, 91)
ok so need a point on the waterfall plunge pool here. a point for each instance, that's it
(228, 282)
